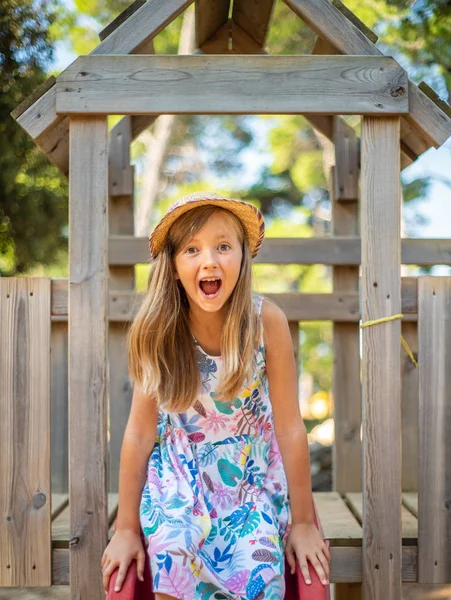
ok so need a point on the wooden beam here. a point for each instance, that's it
(210, 18)
(134, 33)
(25, 526)
(121, 172)
(88, 352)
(254, 17)
(330, 23)
(347, 162)
(434, 498)
(188, 85)
(333, 250)
(121, 18)
(338, 306)
(381, 369)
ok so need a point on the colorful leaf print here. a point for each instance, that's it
(230, 473)
(252, 523)
(226, 407)
(237, 583)
(207, 454)
(177, 582)
(264, 556)
(208, 482)
(199, 407)
(267, 542)
(196, 437)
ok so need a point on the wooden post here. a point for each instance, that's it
(88, 353)
(347, 392)
(434, 499)
(121, 278)
(381, 380)
(25, 529)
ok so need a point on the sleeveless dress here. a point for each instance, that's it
(215, 504)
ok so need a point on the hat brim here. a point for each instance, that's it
(248, 214)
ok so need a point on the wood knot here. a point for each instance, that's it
(74, 541)
(397, 91)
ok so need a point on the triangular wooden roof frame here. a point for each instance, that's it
(339, 32)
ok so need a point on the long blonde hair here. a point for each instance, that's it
(162, 353)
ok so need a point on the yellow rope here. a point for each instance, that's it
(404, 343)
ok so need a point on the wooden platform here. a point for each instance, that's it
(341, 517)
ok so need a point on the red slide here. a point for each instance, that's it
(296, 588)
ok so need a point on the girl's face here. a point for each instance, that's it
(208, 264)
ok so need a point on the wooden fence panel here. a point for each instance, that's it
(88, 353)
(381, 375)
(434, 498)
(60, 407)
(25, 532)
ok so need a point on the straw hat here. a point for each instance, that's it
(250, 217)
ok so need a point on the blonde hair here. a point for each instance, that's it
(162, 352)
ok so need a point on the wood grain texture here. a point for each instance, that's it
(434, 498)
(334, 250)
(409, 409)
(203, 85)
(210, 18)
(25, 536)
(347, 448)
(88, 352)
(254, 17)
(133, 34)
(330, 23)
(338, 306)
(144, 24)
(381, 369)
(347, 162)
(121, 278)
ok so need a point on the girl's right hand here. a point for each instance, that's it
(125, 545)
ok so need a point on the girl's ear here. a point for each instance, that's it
(176, 275)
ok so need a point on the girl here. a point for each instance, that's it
(215, 440)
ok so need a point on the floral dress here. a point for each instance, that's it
(214, 506)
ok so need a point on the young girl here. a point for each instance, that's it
(215, 440)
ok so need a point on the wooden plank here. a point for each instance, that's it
(334, 250)
(121, 278)
(31, 99)
(347, 448)
(136, 32)
(339, 524)
(120, 171)
(330, 23)
(346, 386)
(410, 501)
(409, 523)
(346, 565)
(25, 542)
(158, 84)
(59, 407)
(254, 17)
(381, 375)
(88, 352)
(209, 18)
(339, 306)
(434, 501)
(409, 409)
(347, 161)
(121, 18)
(357, 22)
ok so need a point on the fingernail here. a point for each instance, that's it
(308, 581)
(116, 589)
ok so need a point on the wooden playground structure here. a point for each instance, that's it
(64, 388)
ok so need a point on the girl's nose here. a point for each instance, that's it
(209, 259)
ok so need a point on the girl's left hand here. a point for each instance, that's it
(305, 543)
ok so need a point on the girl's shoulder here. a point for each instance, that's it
(258, 302)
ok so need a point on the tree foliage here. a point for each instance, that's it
(33, 206)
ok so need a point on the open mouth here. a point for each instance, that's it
(210, 286)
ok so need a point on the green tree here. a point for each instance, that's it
(33, 199)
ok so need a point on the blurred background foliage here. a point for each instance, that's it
(277, 162)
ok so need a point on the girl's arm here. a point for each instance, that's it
(289, 427)
(137, 445)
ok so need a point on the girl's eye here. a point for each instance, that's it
(224, 247)
(190, 250)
